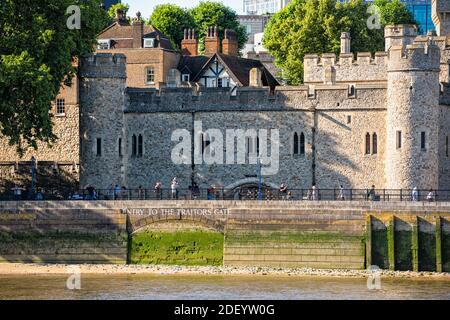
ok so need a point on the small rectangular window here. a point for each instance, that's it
(446, 146)
(422, 140)
(399, 139)
(60, 107)
(219, 82)
(120, 147)
(150, 75)
(185, 77)
(349, 119)
(99, 147)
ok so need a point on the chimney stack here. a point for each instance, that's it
(138, 31)
(212, 43)
(255, 77)
(345, 42)
(229, 43)
(189, 44)
(121, 16)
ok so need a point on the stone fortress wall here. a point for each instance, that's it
(322, 116)
(339, 105)
(405, 89)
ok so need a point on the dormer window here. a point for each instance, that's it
(104, 44)
(185, 78)
(149, 42)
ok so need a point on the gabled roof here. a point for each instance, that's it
(192, 65)
(238, 68)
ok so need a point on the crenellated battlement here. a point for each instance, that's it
(304, 97)
(328, 68)
(415, 57)
(104, 65)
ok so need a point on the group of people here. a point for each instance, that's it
(20, 192)
(116, 192)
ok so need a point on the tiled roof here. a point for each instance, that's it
(125, 31)
(239, 68)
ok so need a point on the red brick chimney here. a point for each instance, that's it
(212, 42)
(229, 43)
(138, 31)
(189, 44)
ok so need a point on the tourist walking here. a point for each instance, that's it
(283, 191)
(174, 188)
(415, 194)
(314, 193)
(116, 192)
(195, 191)
(17, 192)
(371, 194)
(91, 192)
(158, 190)
(141, 193)
(341, 193)
(430, 196)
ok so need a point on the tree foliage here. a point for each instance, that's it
(113, 9)
(36, 54)
(171, 20)
(210, 13)
(315, 26)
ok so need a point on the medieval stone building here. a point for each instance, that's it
(380, 120)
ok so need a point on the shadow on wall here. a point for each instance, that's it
(41, 233)
(54, 182)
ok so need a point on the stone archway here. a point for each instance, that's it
(249, 181)
(247, 189)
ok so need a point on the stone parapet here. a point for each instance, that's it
(104, 65)
(345, 68)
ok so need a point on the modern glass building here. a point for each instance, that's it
(421, 9)
(422, 13)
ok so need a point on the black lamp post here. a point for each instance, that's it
(33, 178)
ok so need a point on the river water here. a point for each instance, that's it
(203, 287)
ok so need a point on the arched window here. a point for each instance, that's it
(140, 146)
(133, 145)
(302, 143)
(367, 143)
(296, 143)
(374, 143)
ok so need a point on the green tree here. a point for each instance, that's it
(36, 54)
(113, 9)
(394, 12)
(171, 20)
(315, 26)
(210, 13)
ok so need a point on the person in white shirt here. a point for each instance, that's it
(430, 196)
(173, 187)
(415, 194)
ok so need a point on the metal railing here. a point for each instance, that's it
(235, 194)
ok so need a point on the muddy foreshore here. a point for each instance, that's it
(108, 269)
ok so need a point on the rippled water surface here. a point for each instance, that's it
(217, 287)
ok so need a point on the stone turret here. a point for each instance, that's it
(412, 105)
(399, 35)
(102, 88)
(441, 16)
